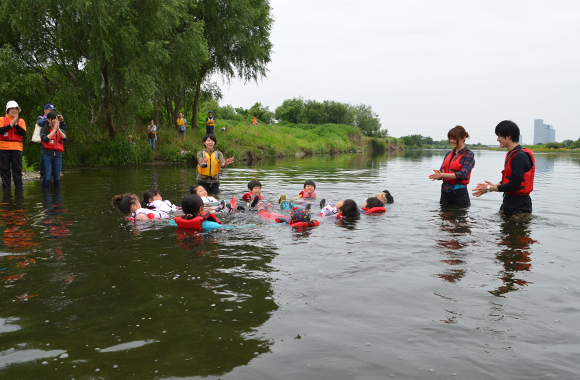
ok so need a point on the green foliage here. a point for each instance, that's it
(298, 110)
(108, 65)
(555, 145)
(26, 167)
(368, 121)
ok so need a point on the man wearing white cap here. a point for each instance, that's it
(12, 132)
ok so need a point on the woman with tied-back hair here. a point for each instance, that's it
(455, 170)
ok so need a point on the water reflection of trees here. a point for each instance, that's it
(514, 256)
(180, 305)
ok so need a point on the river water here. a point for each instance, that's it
(416, 293)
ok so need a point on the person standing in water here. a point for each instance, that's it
(517, 177)
(455, 170)
(210, 162)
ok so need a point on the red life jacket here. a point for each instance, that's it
(312, 223)
(55, 143)
(248, 197)
(305, 195)
(11, 135)
(527, 184)
(453, 166)
(195, 223)
(375, 210)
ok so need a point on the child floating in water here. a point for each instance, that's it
(153, 201)
(385, 197)
(210, 202)
(299, 217)
(373, 205)
(254, 193)
(343, 209)
(130, 206)
(195, 218)
(202, 192)
(308, 192)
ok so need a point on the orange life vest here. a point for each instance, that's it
(527, 184)
(454, 166)
(11, 135)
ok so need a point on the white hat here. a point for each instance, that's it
(12, 104)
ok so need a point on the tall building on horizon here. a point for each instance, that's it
(543, 133)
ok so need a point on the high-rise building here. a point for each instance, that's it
(543, 133)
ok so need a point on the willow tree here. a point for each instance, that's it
(237, 33)
(98, 58)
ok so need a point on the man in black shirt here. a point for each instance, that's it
(518, 175)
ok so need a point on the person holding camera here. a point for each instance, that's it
(12, 131)
(53, 139)
(41, 121)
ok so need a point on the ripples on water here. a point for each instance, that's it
(419, 292)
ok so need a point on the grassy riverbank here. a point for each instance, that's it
(240, 140)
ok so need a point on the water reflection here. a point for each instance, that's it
(455, 224)
(515, 256)
(545, 163)
(165, 303)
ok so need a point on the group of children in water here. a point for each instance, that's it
(200, 209)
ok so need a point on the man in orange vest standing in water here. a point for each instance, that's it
(12, 130)
(517, 179)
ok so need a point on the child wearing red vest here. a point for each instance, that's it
(455, 170)
(195, 218)
(129, 205)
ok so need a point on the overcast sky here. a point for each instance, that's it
(425, 66)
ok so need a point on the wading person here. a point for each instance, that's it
(12, 131)
(53, 139)
(181, 125)
(41, 121)
(152, 134)
(455, 170)
(210, 162)
(517, 178)
(209, 123)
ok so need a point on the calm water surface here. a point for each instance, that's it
(417, 293)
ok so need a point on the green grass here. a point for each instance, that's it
(241, 140)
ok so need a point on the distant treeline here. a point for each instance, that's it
(566, 144)
(300, 111)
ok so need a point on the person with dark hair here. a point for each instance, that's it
(12, 131)
(385, 197)
(342, 209)
(254, 193)
(517, 180)
(210, 162)
(152, 134)
(42, 121)
(455, 170)
(152, 200)
(195, 218)
(308, 192)
(129, 205)
(373, 205)
(52, 146)
(209, 123)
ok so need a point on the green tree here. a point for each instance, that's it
(289, 110)
(338, 113)
(368, 121)
(237, 33)
(99, 60)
